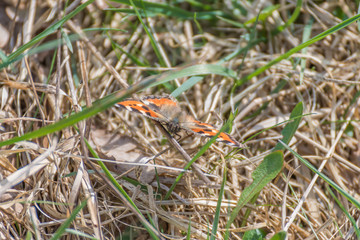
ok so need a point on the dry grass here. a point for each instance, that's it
(44, 178)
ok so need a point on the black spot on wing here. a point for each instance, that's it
(207, 130)
(135, 110)
(153, 107)
(148, 113)
(146, 108)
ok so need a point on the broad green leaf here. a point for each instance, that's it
(255, 234)
(279, 236)
(262, 175)
(291, 127)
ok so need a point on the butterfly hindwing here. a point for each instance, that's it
(208, 130)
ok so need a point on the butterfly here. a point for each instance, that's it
(165, 109)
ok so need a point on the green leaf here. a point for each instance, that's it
(279, 236)
(265, 13)
(255, 234)
(263, 174)
(291, 127)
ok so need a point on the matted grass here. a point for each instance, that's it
(282, 78)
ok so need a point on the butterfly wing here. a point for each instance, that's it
(160, 109)
(208, 130)
(136, 106)
(159, 102)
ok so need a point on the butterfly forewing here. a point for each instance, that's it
(141, 108)
(158, 102)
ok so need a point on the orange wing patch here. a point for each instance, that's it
(223, 137)
(139, 107)
(160, 101)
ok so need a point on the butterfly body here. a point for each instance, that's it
(166, 110)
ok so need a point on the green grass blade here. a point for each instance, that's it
(265, 13)
(130, 56)
(44, 47)
(98, 106)
(197, 155)
(262, 175)
(291, 127)
(108, 101)
(154, 43)
(171, 11)
(186, 85)
(345, 211)
(324, 177)
(80, 234)
(122, 191)
(66, 40)
(306, 36)
(61, 230)
(299, 47)
(188, 236)
(48, 31)
(218, 207)
(293, 17)
(197, 70)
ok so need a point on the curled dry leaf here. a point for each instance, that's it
(123, 151)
